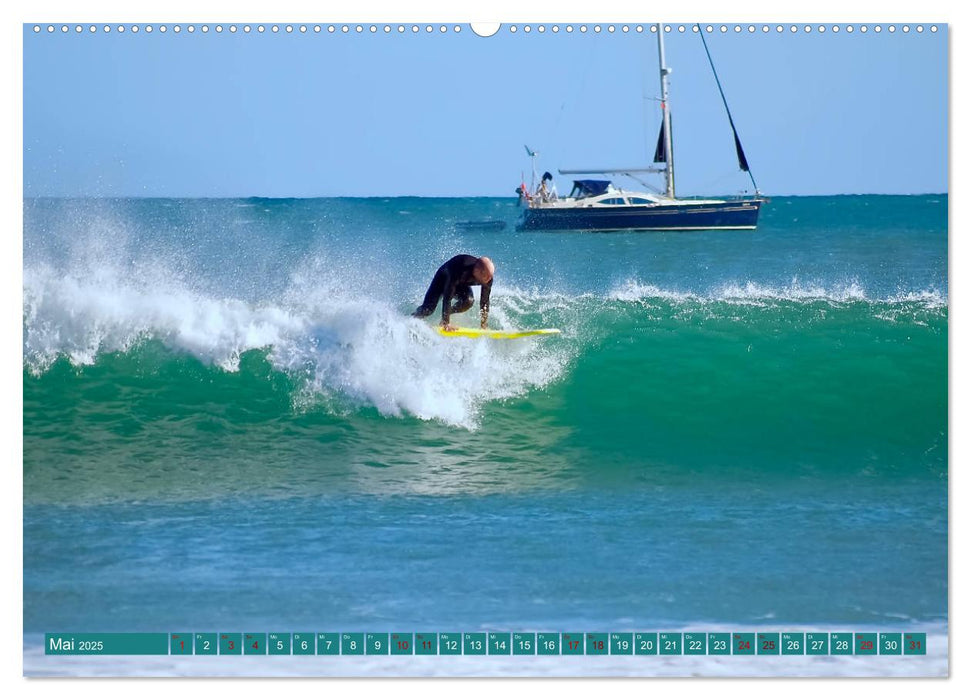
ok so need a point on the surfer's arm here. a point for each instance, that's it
(484, 303)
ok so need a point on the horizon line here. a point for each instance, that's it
(450, 196)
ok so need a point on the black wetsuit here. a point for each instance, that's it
(453, 285)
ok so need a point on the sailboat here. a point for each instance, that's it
(597, 205)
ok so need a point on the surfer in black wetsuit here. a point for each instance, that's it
(453, 284)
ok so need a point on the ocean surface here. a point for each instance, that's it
(231, 423)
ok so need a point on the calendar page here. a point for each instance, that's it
(436, 348)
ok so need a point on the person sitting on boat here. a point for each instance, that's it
(546, 192)
(453, 283)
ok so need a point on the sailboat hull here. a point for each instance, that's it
(681, 216)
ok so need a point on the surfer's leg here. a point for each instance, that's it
(463, 300)
(434, 293)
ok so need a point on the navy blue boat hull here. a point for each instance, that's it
(736, 214)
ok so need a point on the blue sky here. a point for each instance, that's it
(447, 114)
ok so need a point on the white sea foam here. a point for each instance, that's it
(632, 290)
(931, 298)
(794, 291)
(356, 348)
(755, 292)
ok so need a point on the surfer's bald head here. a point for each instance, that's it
(484, 270)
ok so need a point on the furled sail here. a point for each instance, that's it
(742, 160)
(660, 152)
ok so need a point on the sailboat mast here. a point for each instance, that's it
(666, 114)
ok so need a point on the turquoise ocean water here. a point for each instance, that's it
(230, 421)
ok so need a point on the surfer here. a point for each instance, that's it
(453, 284)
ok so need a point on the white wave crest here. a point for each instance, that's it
(755, 292)
(794, 291)
(931, 298)
(632, 290)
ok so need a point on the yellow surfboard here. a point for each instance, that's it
(490, 333)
